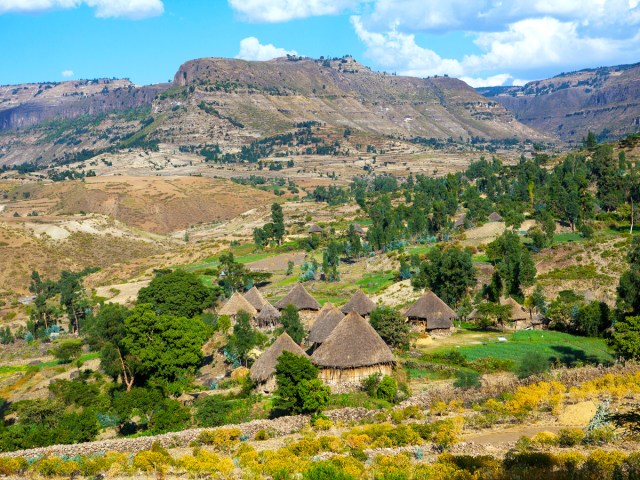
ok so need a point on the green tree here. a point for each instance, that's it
(277, 218)
(290, 319)
(592, 320)
(625, 339)
(467, 379)
(532, 363)
(448, 272)
(244, 337)
(67, 350)
(353, 242)
(590, 143)
(162, 346)
(331, 261)
(177, 293)
(391, 326)
(513, 262)
(629, 284)
(299, 390)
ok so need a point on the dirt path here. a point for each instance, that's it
(508, 435)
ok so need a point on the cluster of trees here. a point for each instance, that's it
(273, 231)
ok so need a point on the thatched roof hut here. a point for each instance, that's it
(358, 229)
(328, 318)
(518, 313)
(459, 223)
(352, 352)
(315, 229)
(495, 217)
(359, 303)
(432, 313)
(269, 316)
(299, 298)
(264, 368)
(255, 298)
(236, 303)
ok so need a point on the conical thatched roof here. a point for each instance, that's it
(255, 298)
(495, 217)
(431, 309)
(268, 315)
(314, 229)
(327, 320)
(265, 365)
(236, 303)
(358, 229)
(299, 298)
(359, 303)
(352, 344)
(517, 312)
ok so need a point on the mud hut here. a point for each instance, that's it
(314, 229)
(306, 305)
(264, 368)
(495, 217)
(236, 303)
(255, 298)
(459, 223)
(518, 315)
(325, 322)
(268, 317)
(351, 353)
(359, 303)
(359, 230)
(430, 313)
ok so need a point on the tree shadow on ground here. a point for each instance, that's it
(570, 356)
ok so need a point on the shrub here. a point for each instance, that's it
(545, 439)
(388, 389)
(570, 437)
(213, 411)
(223, 439)
(533, 363)
(13, 466)
(600, 435)
(467, 379)
(149, 461)
(262, 435)
(203, 463)
(326, 470)
(56, 467)
(601, 464)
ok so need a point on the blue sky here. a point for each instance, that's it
(484, 42)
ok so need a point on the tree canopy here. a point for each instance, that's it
(177, 293)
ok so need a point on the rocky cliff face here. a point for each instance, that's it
(29, 104)
(603, 100)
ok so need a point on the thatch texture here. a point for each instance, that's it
(430, 309)
(265, 366)
(299, 298)
(495, 217)
(359, 303)
(358, 229)
(353, 343)
(268, 316)
(328, 318)
(255, 298)
(236, 303)
(518, 313)
(315, 229)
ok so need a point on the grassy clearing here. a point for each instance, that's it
(560, 238)
(574, 272)
(480, 257)
(563, 347)
(375, 283)
(419, 250)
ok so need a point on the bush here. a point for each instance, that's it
(388, 389)
(545, 439)
(467, 379)
(262, 435)
(213, 411)
(223, 439)
(533, 363)
(600, 435)
(570, 437)
(13, 466)
(56, 467)
(325, 470)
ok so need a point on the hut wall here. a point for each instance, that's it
(267, 387)
(308, 318)
(417, 326)
(440, 332)
(350, 378)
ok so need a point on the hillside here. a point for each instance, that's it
(603, 100)
(233, 102)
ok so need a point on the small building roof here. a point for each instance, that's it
(359, 303)
(358, 229)
(518, 313)
(268, 315)
(255, 298)
(299, 298)
(328, 318)
(353, 343)
(430, 308)
(265, 366)
(314, 228)
(495, 217)
(236, 303)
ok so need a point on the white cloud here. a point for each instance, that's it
(67, 73)
(492, 81)
(252, 49)
(272, 11)
(131, 9)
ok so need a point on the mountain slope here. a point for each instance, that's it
(603, 100)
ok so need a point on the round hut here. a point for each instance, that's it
(268, 317)
(429, 313)
(495, 217)
(359, 230)
(264, 368)
(255, 298)
(315, 229)
(518, 315)
(351, 353)
(359, 303)
(306, 305)
(327, 320)
(236, 303)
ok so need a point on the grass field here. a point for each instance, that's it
(560, 347)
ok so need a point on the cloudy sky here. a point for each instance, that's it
(484, 42)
